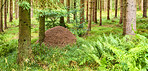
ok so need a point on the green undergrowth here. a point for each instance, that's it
(106, 53)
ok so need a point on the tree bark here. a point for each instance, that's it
(68, 8)
(62, 23)
(129, 18)
(11, 10)
(41, 29)
(31, 8)
(24, 42)
(100, 12)
(95, 18)
(82, 11)
(5, 15)
(116, 8)
(98, 4)
(16, 9)
(121, 12)
(87, 10)
(145, 8)
(90, 15)
(108, 10)
(75, 5)
(1, 16)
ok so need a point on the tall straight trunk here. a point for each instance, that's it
(82, 11)
(75, 5)
(8, 5)
(116, 8)
(1, 16)
(108, 9)
(5, 15)
(62, 23)
(129, 18)
(87, 10)
(11, 10)
(16, 9)
(98, 4)
(100, 12)
(68, 8)
(95, 7)
(41, 29)
(121, 12)
(105, 5)
(24, 42)
(31, 8)
(142, 5)
(90, 15)
(145, 8)
(111, 2)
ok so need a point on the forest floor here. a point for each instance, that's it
(74, 57)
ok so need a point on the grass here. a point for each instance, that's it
(105, 48)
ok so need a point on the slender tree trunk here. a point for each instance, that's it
(129, 18)
(145, 8)
(87, 10)
(75, 5)
(98, 4)
(93, 14)
(105, 5)
(90, 15)
(24, 42)
(5, 15)
(100, 12)
(41, 29)
(108, 9)
(31, 8)
(11, 10)
(62, 23)
(1, 16)
(121, 12)
(142, 5)
(82, 11)
(16, 9)
(116, 8)
(68, 8)
(95, 18)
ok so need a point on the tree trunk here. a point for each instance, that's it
(41, 29)
(116, 8)
(5, 15)
(95, 18)
(16, 9)
(100, 12)
(93, 14)
(68, 8)
(98, 4)
(121, 12)
(82, 11)
(145, 8)
(90, 15)
(105, 5)
(31, 8)
(11, 10)
(62, 23)
(129, 18)
(75, 5)
(87, 10)
(142, 5)
(108, 9)
(1, 16)
(24, 42)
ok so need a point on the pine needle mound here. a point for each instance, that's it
(59, 36)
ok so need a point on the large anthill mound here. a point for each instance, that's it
(59, 36)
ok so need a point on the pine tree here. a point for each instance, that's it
(129, 18)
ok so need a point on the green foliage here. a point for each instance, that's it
(24, 4)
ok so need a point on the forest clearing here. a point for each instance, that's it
(73, 35)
